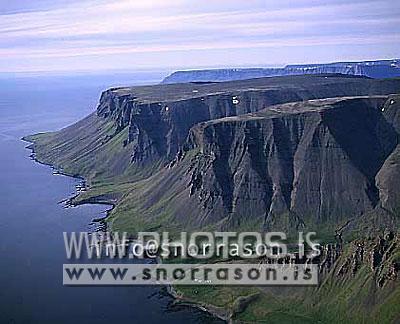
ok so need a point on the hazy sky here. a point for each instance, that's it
(96, 35)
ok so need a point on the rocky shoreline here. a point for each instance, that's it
(71, 201)
(221, 314)
(217, 312)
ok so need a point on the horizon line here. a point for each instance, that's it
(171, 69)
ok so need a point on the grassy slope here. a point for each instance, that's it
(94, 150)
(346, 298)
(354, 300)
(106, 167)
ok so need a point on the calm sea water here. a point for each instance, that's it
(32, 220)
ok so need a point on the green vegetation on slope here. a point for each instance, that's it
(225, 163)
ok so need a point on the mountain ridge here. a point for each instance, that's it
(300, 153)
(374, 69)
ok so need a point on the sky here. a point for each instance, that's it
(71, 36)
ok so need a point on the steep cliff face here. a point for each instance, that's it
(290, 166)
(317, 165)
(159, 117)
(374, 69)
(360, 284)
(309, 152)
(388, 178)
(226, 155)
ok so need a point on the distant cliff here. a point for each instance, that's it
(373, 69)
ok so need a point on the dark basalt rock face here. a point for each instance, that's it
(244, 154)
(292, 153)
(159, 121)
(388, 178)
(305, 163)
(379, 254)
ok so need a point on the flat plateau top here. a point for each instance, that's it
(183, 91)
(308, 106)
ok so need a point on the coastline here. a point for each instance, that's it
(225, 314)
(70, 201)
(220, 313)
(214, 311)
